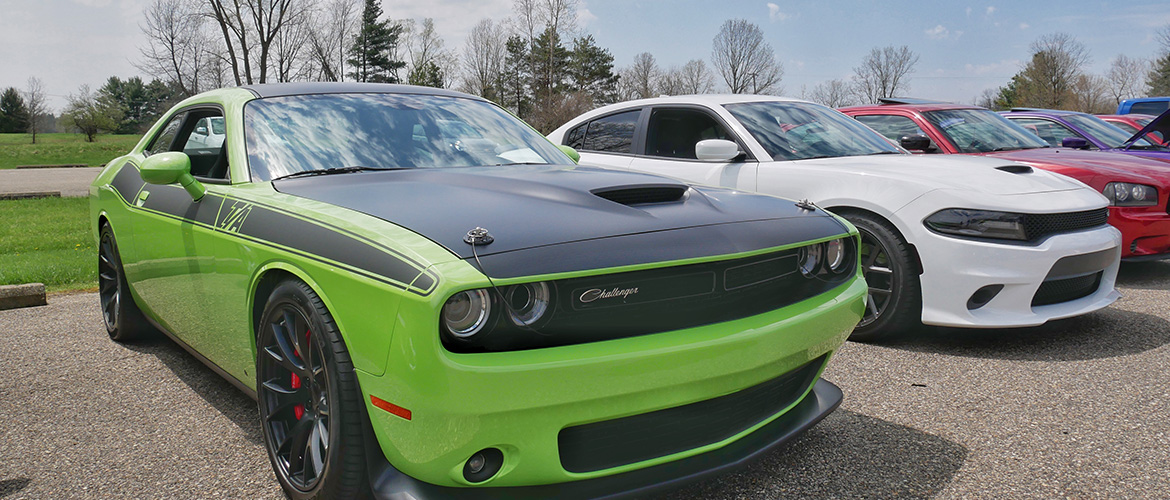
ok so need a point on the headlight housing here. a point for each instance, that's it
(978, 224)
(832, 256)
(1128, 194)
(473, 315)
(466, 313)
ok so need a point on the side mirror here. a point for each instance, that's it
(1074, 142)
(572, 153)
(201, 130)
(716, 150)
(915, 142)
(170, 168)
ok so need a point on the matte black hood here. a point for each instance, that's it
(530, 208)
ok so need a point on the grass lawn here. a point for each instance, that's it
(56, 149)
(47, 240)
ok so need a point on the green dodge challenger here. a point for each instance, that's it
(430, 300)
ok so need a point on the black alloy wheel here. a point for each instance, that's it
(308, 396)
(123, 320)
(894, 302)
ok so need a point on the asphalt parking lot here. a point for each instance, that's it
(1076, 409)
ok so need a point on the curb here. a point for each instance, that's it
(61, 165)
(26, 196)
(26, 295)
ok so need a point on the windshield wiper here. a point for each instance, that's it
(335, 170)
(519, 163)
(884, 153)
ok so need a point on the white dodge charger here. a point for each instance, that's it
(946, 240)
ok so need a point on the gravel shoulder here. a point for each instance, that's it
(1077, 408)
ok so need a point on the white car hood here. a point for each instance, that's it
(987, 175)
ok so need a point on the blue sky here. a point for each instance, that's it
(964, 47)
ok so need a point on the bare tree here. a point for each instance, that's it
(175, 50)
(426, 52)
(1126, 77)
(669, 81)
(250, 28)
(333, 25)
(34, 101)
(1092, 94)
(987, 98)
(638, 81)
(833, 93)
(90, 115)
(695, 78)
(884, 72)
(746, 62)
(484, 51)
(1048, 79)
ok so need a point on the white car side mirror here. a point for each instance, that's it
(716, 150)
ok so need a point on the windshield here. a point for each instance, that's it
(982, 130)
(1108, 134)
(801, 130)
(286, 135)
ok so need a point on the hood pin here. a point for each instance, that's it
(478, 236)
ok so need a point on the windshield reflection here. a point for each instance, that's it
(1105, 132)
(982, 131)
(292, 134)
(801, 131)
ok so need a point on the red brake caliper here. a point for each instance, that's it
(299, 409)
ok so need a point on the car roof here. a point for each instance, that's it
(1043, 111)
(309, 88)
(920, 105)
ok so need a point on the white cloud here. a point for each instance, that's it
(1025, 26)
(585, 17)
(938, 32)
(968, 12)
(93, 3)
(774, 13)
(1003, 67)
(990, 10)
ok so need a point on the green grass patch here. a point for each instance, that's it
(58, 149)
(47, 240)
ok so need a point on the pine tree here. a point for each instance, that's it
(1159, 77)
(590, 70)
(427, 74)
(514, 91)
(549, 58)
(370, 54)
(13, 113)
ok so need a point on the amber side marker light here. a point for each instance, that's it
(390, 407)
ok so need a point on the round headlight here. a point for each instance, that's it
(835, 254)
(527, 303)
(810, 259)
(466, 313)
(1120, 193)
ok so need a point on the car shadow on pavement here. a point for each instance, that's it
(13, 486)
(218, 392)
(848, 455)
(1107, 333)
(1145, 275)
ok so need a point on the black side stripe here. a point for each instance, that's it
(272, 227)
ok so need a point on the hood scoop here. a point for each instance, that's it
(1015, 169)
(642, 194)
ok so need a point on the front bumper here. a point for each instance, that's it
(388, 483)
(519, 402)
(1145, 232)
(955, 268)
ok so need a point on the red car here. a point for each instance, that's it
(1138, 188)
(1132, 123)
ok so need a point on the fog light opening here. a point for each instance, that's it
(982, 296)
(482, 465)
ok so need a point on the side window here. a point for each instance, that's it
(1149, 107)
(576, 138)
(162, 142)
(673, 133)
(613, 134)
(1052, 133)
(894, 127)
(205, 144)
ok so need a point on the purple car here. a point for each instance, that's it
(1073, 129)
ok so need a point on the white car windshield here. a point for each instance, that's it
(801, 130)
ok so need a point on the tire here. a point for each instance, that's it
(894, 303)
(311, 411)
(124, 320)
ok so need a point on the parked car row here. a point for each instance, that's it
(430, 300)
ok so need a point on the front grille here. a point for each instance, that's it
(612, 306)
(1064, 290)
(1039, 226)
(622, 441)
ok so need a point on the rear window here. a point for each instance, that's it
(1149, 107)
(611, 134)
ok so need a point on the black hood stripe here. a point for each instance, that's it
(272, 227)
